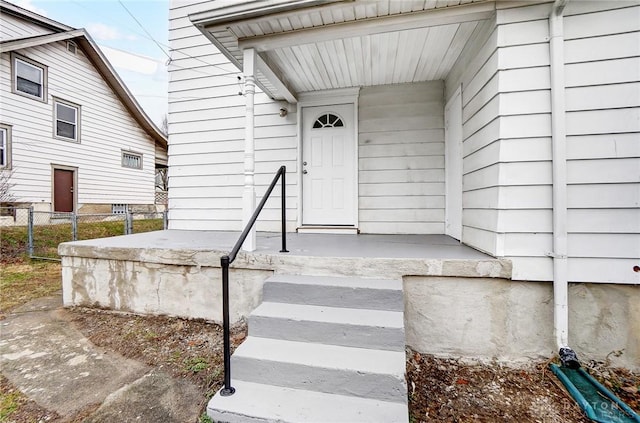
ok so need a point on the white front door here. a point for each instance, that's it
(328, 165)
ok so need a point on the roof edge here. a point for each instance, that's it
(12, 9)
(102, 65)
(233, 11)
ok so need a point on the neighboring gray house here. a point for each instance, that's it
(71, 133)
(482, 155)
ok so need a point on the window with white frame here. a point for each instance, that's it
(5, 146)
(67, 118)
(131, 160)
(29, 78)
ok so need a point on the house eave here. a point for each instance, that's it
(234, 11)
(421, 19)
(22, 43)
(266, 71)
(32, 17)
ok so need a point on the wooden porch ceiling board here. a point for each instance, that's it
(398, 57)
(356, 43)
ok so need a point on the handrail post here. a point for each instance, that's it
(228, 390)
(225, 262)
(283, 207)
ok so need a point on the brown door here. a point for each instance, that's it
(62, 190)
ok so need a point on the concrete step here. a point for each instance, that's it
(320, 349)
(375, 329)
(259, 403)
(360, 372)
(371, 294)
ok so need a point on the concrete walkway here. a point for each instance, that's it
(55, 365)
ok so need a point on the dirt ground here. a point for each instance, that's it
(444, 390)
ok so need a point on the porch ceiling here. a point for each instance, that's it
(308, 45)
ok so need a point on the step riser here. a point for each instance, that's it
(334, 296)
(260, 404)
(390, 339)
(332, 381)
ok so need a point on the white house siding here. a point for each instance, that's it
(476, 71)
(12, 27)
(207, 131)
(603, 171)
(523, 213)
(401, 158)
(105, 129)
(602, 59)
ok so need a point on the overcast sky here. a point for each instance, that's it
(139, 58)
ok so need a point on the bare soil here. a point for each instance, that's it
(445, 390)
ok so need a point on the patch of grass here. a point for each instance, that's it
(9, 403)
(147, 225)
(46, 237)
(24, 281)
(17, 407)
(196, 364)
(204, 418)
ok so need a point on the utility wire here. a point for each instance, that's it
(144, 29)
(162, 46)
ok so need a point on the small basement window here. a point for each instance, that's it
(29, 78)
(119, 208)
(131, 160)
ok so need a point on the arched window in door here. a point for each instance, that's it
(328, 120)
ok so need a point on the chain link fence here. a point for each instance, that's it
(38, 233)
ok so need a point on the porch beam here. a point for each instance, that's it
(371, 26)
(276, 80)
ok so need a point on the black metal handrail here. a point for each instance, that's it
(225, 261)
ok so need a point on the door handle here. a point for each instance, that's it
(304, 172)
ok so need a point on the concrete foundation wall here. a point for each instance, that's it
(152, 288)
(510, 321)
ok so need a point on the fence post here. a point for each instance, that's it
(30, 232)
(74, 226)
(128, 223)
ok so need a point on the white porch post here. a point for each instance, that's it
(249, 193)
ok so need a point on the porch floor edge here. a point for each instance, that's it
(368, 256)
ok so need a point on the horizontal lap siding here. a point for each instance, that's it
(602, 72)
(602, 59)
(520, 208)
(106, 128)
(207, 131)
(401, 158)
(12, 27)
(476, 71)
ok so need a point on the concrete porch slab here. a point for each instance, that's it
(382, 256)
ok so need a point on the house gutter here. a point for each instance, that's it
(559, 179)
